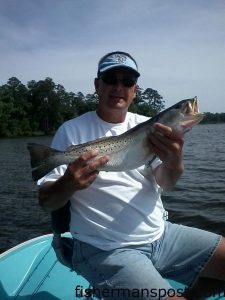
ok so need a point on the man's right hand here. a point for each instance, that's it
(79, 175)
(84, 170)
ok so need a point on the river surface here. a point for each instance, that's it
(197, 200)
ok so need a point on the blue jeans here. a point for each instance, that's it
(139, 272)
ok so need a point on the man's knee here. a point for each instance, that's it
(216, 265)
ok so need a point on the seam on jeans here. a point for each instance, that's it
(98, 274)
(204, 263)
(99, 280)
(157, 252)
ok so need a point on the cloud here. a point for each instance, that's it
(179, 45)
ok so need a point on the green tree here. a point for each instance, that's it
(154, 101)
(78, 102)
(91, 101)
(14, 109)
(147, 102)
(46, 98)
(40, 107)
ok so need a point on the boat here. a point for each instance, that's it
(41, 268)
(32, 270)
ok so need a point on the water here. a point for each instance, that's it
(197, 200)
(21, 218)
(199, 196)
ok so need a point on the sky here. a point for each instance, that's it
(179, 45)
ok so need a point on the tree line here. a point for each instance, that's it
(40, 107)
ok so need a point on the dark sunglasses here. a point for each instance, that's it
(112, 80)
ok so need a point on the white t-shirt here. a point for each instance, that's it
(118, 208)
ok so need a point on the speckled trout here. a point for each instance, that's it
(126, 151)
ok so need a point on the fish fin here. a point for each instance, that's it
(40, 155)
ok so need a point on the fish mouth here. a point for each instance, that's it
(191, 113)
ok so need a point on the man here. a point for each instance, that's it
(122, 241)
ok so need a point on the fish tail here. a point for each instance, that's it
(40, 159)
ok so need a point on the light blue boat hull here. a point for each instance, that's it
(32, 271)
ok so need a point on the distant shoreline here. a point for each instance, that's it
(40, 134)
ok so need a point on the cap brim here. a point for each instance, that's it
(118, 67)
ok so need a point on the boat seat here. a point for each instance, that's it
(63, 246)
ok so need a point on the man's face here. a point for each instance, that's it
(116, 89)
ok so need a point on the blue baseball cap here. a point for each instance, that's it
(117, 59)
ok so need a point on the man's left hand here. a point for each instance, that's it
(167, 145)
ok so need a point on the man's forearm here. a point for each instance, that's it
(53, 195)
(167, 177)
(79, 175)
